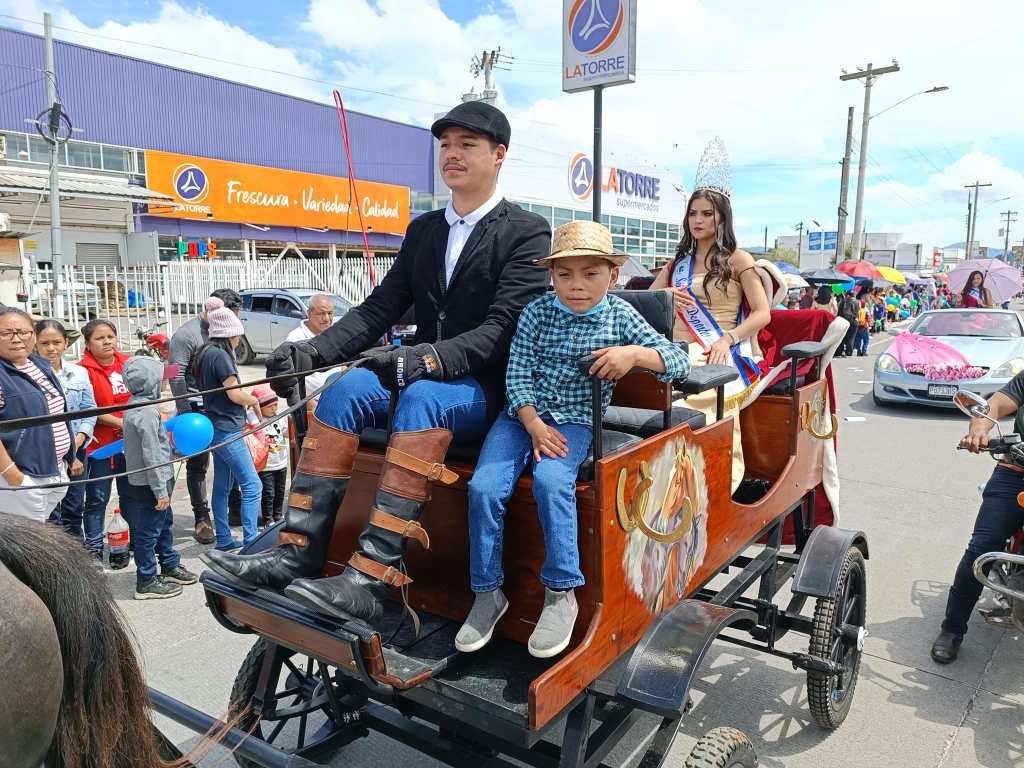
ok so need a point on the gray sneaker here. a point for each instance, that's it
(554, 628)
(156, 589)
(488, 608)
(179, 574)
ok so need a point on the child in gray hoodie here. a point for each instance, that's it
(145, 496)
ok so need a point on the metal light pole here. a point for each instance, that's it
(56, 242)
(821, 243)
(844, 186)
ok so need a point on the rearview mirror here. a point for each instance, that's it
(971, 404)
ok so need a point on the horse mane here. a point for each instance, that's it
(104, 716)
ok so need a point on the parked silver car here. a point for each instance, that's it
(270, 314)
(990, 339)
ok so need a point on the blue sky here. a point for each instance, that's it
(764, 76)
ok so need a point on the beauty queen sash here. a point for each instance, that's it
(706, 331)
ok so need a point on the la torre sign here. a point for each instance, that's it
(598, 43)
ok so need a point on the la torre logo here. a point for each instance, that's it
(192, 186)
(636, 191)
(594, 25)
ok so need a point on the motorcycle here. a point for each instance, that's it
(154, 344)
(1005, 570)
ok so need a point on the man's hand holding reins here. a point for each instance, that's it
(288, 357)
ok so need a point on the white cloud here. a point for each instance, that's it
(765, 76)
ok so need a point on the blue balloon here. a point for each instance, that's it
(192, 432)
(108, 450)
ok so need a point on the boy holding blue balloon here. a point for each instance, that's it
(145, 493)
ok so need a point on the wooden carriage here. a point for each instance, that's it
(658, 526)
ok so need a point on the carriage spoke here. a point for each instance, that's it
(277, 731)
(295, 670)
(302, 730)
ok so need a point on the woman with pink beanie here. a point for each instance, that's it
(214, 366)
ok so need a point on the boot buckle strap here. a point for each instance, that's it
(288, 537)
(386, 573)
(433, 471)
(303, 501)
(409, 529)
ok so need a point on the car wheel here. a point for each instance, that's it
(243, 352)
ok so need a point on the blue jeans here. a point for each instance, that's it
(234, 463)
(998, 519)
(861, 341)
(506, 452)
(151, 531)
(70, 511)
(97, 495)
(359, 401)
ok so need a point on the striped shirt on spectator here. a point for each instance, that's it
(55, 404)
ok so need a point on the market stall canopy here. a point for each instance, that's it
(632, 269)
(786, 268)
(795, 281)
(78, 185)
(825, 276)
(894, 276)
(860, 268)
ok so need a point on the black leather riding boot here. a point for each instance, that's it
(318, 487)
(412, 460)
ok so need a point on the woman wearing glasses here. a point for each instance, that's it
(35, 457)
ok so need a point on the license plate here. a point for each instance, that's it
(942, 390)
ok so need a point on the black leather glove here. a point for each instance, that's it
(398, 366)
(280, 362)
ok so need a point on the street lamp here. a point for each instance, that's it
(936, 89)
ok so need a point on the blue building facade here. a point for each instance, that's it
(121, 106)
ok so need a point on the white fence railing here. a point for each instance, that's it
(167, 294)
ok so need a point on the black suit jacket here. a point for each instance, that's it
(470, 321)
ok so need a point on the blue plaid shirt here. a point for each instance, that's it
(542, 368)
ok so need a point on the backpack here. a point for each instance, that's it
(848, 309)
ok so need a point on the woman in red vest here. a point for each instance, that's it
(104, 363)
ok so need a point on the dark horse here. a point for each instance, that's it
(72, 694)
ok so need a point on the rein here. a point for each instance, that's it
(50, 418)
(240, 436)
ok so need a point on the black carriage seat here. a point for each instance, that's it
(647, 422)
(468, 453)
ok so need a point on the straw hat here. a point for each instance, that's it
(582, 238)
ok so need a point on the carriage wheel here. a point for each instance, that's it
(722, 748)
(307, 708)
(838, 635)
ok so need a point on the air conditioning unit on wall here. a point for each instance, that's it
(3, 147)
(5, 222)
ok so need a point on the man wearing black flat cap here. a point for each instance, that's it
(467, 271)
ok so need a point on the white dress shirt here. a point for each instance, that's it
(460, 228)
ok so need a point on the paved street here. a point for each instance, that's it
(903, 483)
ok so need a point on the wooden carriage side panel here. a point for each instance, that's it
(767, 428)
(441, 575)
(625, 614)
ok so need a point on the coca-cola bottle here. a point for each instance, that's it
(117, 541)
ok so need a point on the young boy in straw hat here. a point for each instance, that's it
(549, 420)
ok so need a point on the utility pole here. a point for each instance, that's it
(56, 243)
(799, 242)
(971, 227)
(486, 62)
(844, 186)
(868, 75)
(1006, 217)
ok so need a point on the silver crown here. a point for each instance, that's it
(714, 171)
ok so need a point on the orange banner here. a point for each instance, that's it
(218, 190)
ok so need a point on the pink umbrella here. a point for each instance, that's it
(1002, 280)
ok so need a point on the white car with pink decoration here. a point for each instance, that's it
(947, 350)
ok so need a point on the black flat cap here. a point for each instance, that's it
(478, 117)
